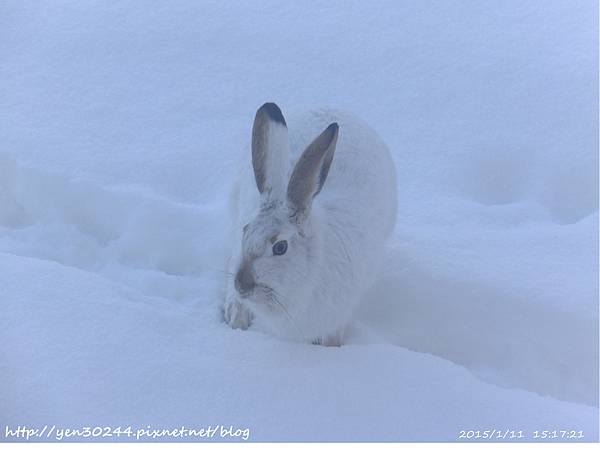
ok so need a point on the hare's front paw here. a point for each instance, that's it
(236, 315)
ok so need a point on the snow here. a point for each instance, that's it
(120, 129)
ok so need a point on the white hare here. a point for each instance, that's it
(308, 241)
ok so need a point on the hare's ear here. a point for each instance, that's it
(311, 170)
(270, 150)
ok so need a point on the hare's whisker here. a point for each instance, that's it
(225, 272)
(273, 294)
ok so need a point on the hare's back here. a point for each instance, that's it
(362, 176)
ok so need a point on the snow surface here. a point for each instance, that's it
(120, 128)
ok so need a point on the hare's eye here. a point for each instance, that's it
(245, 227)
(279, 247)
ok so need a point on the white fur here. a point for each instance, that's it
(335, 253)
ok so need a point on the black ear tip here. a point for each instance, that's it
(333, 129)
(273, 111)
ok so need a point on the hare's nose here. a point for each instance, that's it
(244, 281)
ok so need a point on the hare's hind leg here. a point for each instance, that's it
(330, 340)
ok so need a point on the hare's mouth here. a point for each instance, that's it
(259, 293)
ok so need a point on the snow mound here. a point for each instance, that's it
(111, 356)
(150, 242)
